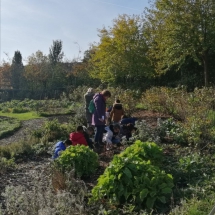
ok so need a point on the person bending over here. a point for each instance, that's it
(88, 133)
(61, 146)
(111, 135)
(78, 137)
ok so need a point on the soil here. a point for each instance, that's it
(22, 174)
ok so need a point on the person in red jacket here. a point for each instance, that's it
(78, 137)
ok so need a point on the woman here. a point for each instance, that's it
(98, 118)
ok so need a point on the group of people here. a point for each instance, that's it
(109, 124)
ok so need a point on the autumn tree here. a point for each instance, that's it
(178, 30)
(37, 70)
(120, 56)
(5, 75)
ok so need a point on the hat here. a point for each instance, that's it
(89, 90)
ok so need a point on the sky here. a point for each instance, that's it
(32, 25)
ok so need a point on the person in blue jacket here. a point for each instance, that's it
(126, 120)
(61, 146)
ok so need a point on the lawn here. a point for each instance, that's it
(22, 116)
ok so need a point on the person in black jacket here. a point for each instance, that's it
(88, 97)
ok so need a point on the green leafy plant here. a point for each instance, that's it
(80, 158)
(134, 181)
(145, 151)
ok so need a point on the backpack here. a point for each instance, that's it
(91, 107)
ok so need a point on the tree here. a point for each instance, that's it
(120, 56)
(55, 52)
(17, 70)
(177, 30)
(5, 75)
(38, 70)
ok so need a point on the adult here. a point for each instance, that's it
(98, 118)
(117, 112)
(61, 146)
(88, 97)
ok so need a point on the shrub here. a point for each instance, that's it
(80, 158)
(41, 199)
(145, 151)
(130, 180)
(20, 110)
(8, 126)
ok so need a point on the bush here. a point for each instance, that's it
(80, 158)
(144, 151)
(20, 110)
(132, 181)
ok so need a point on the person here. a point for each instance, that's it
(78, 137)
(125, 120)
(127, 130)
(60, 146)
(117, 112)
(88, 132)
(98, 117)
(111, 135)
(88, 97)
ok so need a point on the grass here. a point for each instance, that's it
(22, 116)
(8, 126)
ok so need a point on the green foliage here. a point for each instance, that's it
(18, 150)
(8, 126)
(51, 131)
(6, 164)
(20, 110)
(80, 158)
(195, 206)
(120, 56)
(144, 151)
(179, 35)
(132, 180)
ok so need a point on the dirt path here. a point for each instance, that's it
(28, 126)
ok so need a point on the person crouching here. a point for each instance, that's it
(111, 135)
(59, 147)
(78, 137)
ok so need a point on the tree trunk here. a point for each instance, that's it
(205, 62)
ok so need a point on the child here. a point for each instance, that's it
(88, 132)
(117, 112)
(78, 137)
(127, 130)
(110, 136)
(61, 146)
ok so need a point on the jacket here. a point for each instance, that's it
(78, 138)
(100, 108)
(109, 135)
(88, 97)
(117, 112)
(58, 148)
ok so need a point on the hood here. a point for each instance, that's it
(117, 106)
(89, 94)
(76, 136)
(59, 144)
(98, 95)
